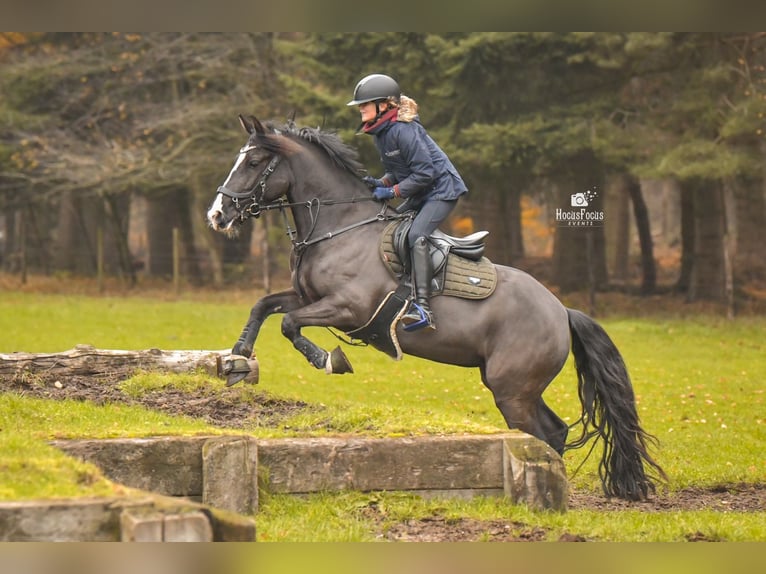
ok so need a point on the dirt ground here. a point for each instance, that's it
(225, 409)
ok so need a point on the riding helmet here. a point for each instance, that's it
(375, 87)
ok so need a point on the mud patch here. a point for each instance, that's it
(723, 498)
(225, 408)
(731, 498)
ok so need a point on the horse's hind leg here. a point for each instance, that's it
(535, 418)
(282, 302)
(523, 408)
(556, 430)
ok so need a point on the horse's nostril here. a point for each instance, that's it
(215, 218)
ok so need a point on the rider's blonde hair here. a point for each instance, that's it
(408, 108)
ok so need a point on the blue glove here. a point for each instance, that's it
(383, 193)
(372, 182)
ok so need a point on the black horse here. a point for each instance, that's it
(519, 337)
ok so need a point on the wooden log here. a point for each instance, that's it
(87, 360)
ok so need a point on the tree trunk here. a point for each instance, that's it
(490, 217)
(117, 208)
(750, 257)
(161, 218)
(74, 252)
(10, 248)
(79, 217)
(514, 240)
(688, 238)
(85, 360)
(189, 257)
(708, 278)
(641, 213)
(617, 227)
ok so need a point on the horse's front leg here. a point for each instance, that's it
(282, 302)
(323, 313)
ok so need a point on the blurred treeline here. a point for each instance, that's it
(110, 141)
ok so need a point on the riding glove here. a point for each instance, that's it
(383, 193)
(372, 182)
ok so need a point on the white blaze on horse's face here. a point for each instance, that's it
(240, 158)
(215, 213)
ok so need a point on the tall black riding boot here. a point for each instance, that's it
(422, 273)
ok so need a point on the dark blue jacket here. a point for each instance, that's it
(414, 161)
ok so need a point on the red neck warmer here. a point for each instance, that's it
(389, 116)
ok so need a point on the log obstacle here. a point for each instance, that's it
(86, 360)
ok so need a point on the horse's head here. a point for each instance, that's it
(254, 180)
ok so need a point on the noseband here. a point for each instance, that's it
(255, 195)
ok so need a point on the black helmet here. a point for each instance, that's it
(374, 87)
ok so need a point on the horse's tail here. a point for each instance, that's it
(609, 412)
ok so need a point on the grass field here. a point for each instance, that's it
(699, 383)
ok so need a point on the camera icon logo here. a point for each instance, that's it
(579, 200)
(583, 198)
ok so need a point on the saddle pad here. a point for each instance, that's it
(469, 279)
(462, 277)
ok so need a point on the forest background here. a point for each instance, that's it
(112, 146)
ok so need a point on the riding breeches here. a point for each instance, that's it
(429, 217)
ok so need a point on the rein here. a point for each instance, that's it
(254, 209)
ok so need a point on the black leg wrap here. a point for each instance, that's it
(314, 355)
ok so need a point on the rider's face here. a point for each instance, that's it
(368, 112)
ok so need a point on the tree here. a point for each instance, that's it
(106, 115)
(701, 106)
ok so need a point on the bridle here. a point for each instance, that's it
(254, 208)
(256, 194)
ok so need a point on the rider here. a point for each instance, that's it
(416, 169)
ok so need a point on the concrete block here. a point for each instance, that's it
(230, 527)
(92, 520)
(149, 518)
(230, 474)
(187, 527)
(534, 474)
(170, 466)
(438, 463)
(141, 526)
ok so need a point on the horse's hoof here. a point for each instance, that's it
(337, 363)
(238, 368)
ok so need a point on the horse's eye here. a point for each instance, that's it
(253, 163)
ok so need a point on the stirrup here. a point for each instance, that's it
(422, 322)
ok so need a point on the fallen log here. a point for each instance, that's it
(87, 360)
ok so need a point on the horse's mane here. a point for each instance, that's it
(341, 154)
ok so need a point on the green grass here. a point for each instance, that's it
(699, 384)
(341, 517)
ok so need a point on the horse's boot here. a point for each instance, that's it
(419, 314)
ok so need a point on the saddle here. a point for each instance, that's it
(460, 270)
(459, 266)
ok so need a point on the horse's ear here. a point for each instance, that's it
(251, 124)
(246, 124)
